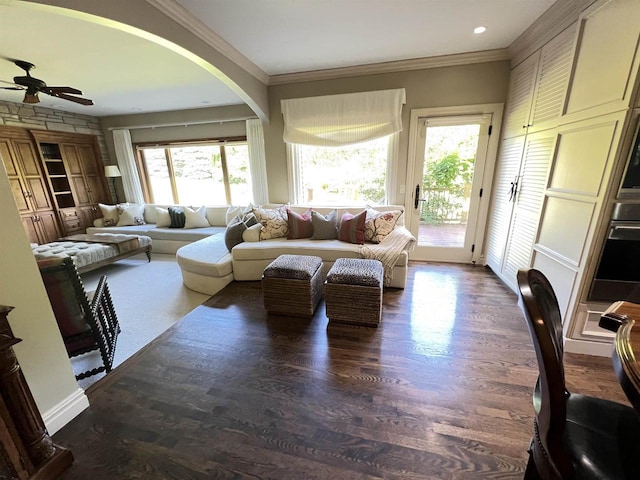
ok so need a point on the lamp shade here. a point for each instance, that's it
(111, 171)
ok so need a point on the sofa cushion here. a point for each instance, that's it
(183, 234)
(273, 220)
(380, 224)
(233, 233)
(324, 227)
(163, 217)
(131, 215)
(352, 227)
(196, 218)
(176, 214)
(300, 225)
(208, 256)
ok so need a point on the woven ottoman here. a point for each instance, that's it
(353, 291)
(292, 285)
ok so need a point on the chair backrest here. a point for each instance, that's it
(542, 313)
(69, 302)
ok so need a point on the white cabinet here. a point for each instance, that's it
(607, 58)
(538, 86)
(516, 215)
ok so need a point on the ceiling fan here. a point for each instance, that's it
(33, 86)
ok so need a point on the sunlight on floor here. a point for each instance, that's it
(434, 302)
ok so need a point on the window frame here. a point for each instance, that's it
(143, 173)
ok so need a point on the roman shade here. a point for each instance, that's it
(345, 119)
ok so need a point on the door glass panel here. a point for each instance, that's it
(449, 160)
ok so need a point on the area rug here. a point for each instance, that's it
(149, 297)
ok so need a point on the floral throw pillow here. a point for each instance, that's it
(274, 222)
(380, 224)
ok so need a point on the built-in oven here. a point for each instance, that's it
(618, 273)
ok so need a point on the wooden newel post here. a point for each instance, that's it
(43, 459)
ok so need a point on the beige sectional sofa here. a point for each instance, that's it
(207, 266)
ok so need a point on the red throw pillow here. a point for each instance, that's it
(352, 227)
(300, 226)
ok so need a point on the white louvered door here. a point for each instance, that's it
(518, 109)
(532, 183)
(502, 200)
(554, 70)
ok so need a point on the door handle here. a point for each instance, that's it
(514, 189)
(416, 198)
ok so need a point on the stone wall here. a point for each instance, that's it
(35, 117)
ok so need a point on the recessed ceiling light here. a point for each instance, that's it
(479, 29)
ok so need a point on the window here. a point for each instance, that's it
(342, 149)
(196, 174)
(348, 175)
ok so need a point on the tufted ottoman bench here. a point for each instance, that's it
(353, 291)
(292, 285)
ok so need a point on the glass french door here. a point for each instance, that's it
(450, 157)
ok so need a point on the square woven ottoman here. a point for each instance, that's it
(353, 291)
(292, 285)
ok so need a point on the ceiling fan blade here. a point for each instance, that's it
(15, 86)
(82, 101)
(51, 90)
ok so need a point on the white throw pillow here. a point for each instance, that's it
(163, 219)
(252, 234)
(132, 215)
(195, 218)
(111, 213)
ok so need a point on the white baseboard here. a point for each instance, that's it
(585, 347)
(61, 414)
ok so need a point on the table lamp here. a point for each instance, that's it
(112, 171)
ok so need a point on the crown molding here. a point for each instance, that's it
(181, 15)
(558, 17)
(391, 67)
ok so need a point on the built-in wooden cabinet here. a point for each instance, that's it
(57, 180)
(29, 185)
(76, 177)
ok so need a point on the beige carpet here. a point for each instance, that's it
(149, 297)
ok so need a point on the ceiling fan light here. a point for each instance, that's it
(31, 98)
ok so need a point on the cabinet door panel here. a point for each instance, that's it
(502, 201)
(19, 196)
(26, 152)
(47, 226)
(38, 193)
(80, 190)
(71, 158)
(7, 158)
(96, 190)
(30, 228)
(534, 176)
(88, 159)
(556, 59)
(521, 86)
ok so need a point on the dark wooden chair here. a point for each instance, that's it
(575, 436)
(86, 324)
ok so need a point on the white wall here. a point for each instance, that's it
(41, 354)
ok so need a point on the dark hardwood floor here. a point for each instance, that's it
(440, 390)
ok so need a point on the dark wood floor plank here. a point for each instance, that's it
(440, 390)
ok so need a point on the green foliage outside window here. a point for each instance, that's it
(444, 185)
